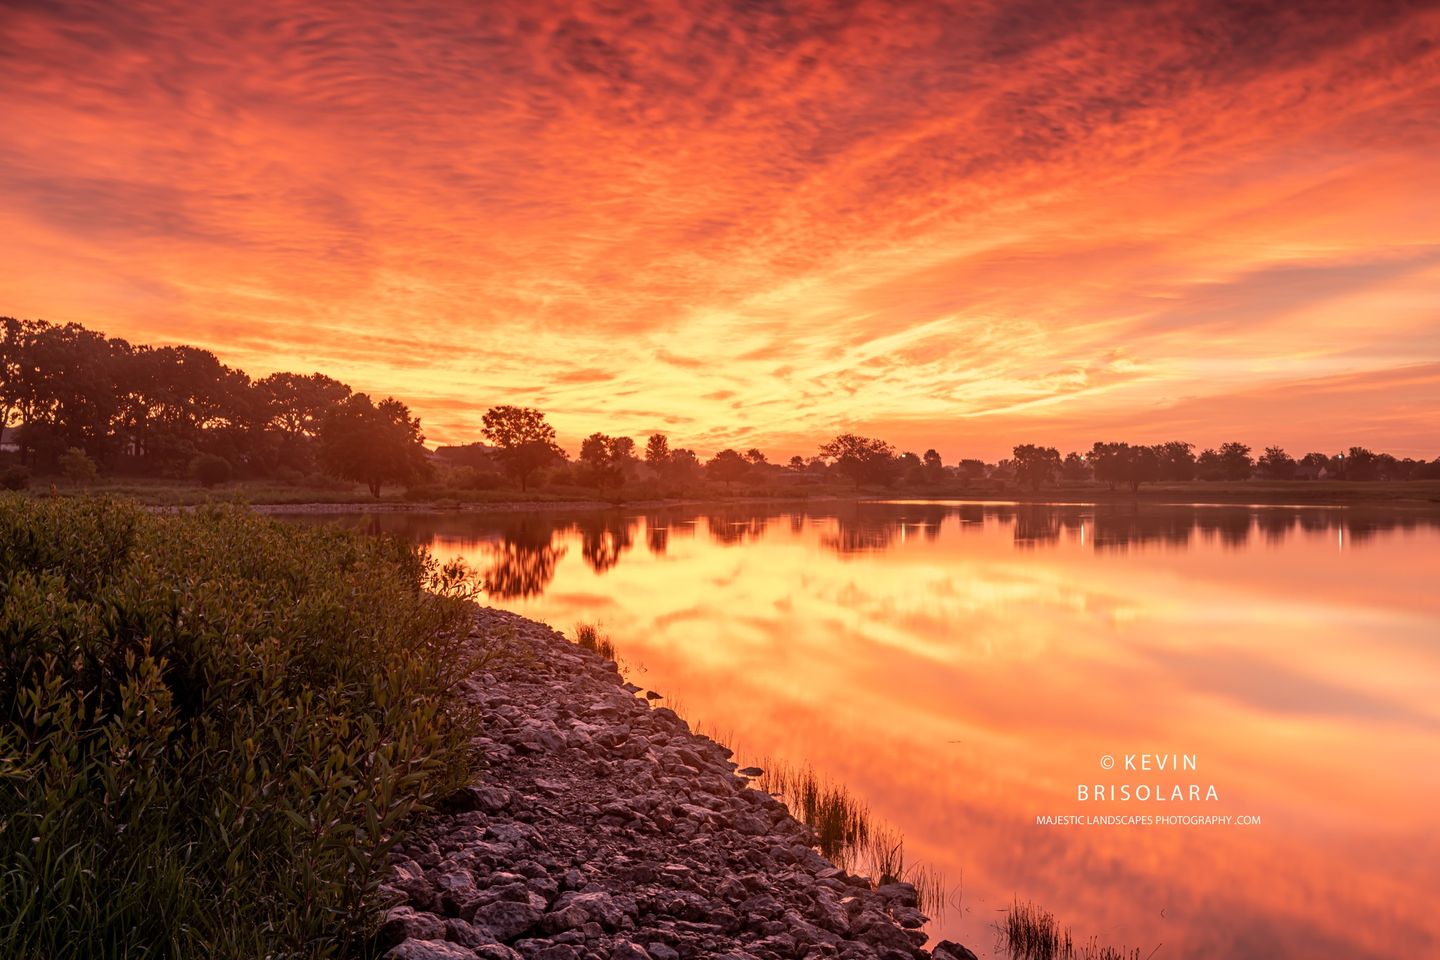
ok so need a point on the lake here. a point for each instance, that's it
(970, 669)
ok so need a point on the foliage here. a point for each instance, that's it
(728, 466)
(14, 477)
(212, 728)
(526, 442)
(374, 444)
(862, 459)
(605, 461)
(210, 470)
(76, 466)
(1036, 465)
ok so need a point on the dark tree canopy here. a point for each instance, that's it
(862, 459)
(525, 442)
(605, 461)
(728, 466)
(1036, 465)
(374, 444)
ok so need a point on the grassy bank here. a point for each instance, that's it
(1408, 493)
(211, 728)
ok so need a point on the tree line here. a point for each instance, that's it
(76, 402)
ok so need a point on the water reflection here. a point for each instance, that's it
(962, 667)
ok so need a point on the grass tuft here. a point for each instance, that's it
(588, 635)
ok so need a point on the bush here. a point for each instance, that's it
(213, 728)
(15, 477)
(210, 470)
(76, 466)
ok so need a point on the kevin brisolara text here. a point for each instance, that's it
(1145, 820)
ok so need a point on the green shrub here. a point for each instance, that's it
(212, 728)
(210, 470)
(77, 466)
(15, 477)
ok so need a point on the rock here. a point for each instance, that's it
(950, 950)
(625, 950)
(506, 919)
(405, 923)
(750, 772)
(428, 950)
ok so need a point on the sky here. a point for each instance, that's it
(960, 226)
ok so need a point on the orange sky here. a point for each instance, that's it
(955, 226)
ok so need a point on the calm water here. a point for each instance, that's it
(965, 667)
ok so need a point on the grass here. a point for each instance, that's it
(1031, 933)
(161, 492)
(213, 728)
(848, 834)
(588, 635)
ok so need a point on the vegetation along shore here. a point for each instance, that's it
(223, 736)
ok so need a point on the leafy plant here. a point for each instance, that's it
(213, 728)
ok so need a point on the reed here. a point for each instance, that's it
(589, 636)
(1032, 933)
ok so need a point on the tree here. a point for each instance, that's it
(1235, 462)
(933, 468)
(1176, 460)
(1277, 464)
(76, 466)
(657, 452)
(373, 444)
(1109, 462)
(294, 406)
(1358, 463)
(796, 464)
(1208, 466)
(755, 458)
(605, 460)
(727, 466)
(210, 470)
(684, 465)
(1035, 465)
(526, 442)
(1073, 467)
(862, 459)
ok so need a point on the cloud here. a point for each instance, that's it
(922, 212)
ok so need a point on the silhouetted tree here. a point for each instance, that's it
(525, 442)
(1073, 467)
(1277, 464)
(373, 444)
(755, 458)
(657, 452)
(933, 469)
(862, 459)
(1235, 461)
(1036, 465)
(1176, 460)
(606, 460)
(727, 466)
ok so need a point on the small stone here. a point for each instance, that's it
(506, 919)
(625, 950)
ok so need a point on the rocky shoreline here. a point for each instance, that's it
(603, 829)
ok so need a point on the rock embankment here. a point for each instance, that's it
(603, 828)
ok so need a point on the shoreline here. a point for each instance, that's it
(604, 828)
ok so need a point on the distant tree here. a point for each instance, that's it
(1176, 460)
(14, 477)
(933, 468)
(728, 466)
(1073, 467)
(909, 466)
(525, 442)
(1116, 463)
(210, 470)
(1235, 461)
(862, 459)
(1209, 465)
(684, 465)
(1359, 463)
(755, 458)
(373, 444)
(657, 452)
(972, 469)
(1109, 462)
(76, 466)
(797, 463)
(296, 403)
(1035, 465)
(1315, 464)
(1277, 464)
(605, 460)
